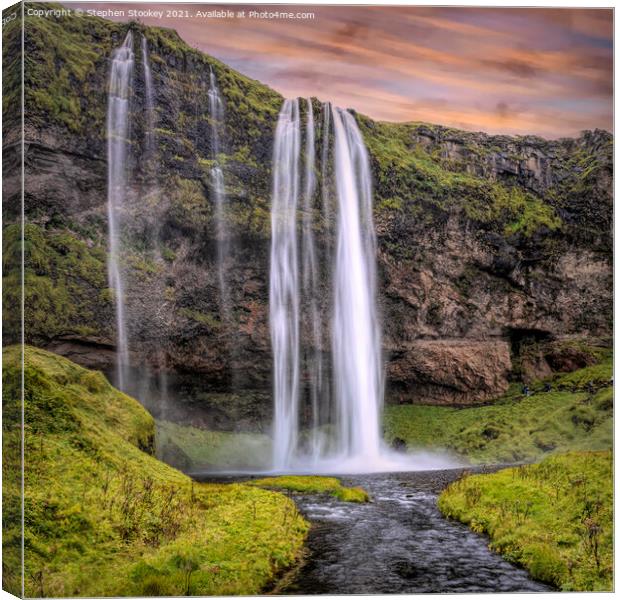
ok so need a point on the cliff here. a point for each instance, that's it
(494, 252)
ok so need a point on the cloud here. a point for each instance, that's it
(450, 65)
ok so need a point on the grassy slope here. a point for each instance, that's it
(515, 428)
(314, 485)
(103, 517)
(554, 518)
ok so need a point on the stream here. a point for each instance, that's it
(398, 543)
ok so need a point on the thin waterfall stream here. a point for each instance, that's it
(117, 132)
(149, 97)
(216, 114)
(159, 392)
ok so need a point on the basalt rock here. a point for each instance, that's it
(455, 372)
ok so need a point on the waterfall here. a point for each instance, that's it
(216, 112)
(310, 289)
(117, 132)
(353, 420)
(149, 100)
(356, 343)
(284, 285)
(147, 391)
(325, 199)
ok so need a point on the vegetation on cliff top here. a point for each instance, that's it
(312, 484)
(103, 517)
(407, 175)
(516, 427)
(555, 518)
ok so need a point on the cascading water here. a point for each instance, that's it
(353, 422)
(284, 285)
(216, 112)
(117, 130)
(149, 101)
(156, 395)
(356, 342)
(325, 195)
(313, 358)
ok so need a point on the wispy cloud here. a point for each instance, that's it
(543, 71)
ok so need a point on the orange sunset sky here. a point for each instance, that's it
(542, 71)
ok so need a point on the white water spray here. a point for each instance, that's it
(117, 131)
(284, 285)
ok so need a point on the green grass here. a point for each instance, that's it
(554, 518)
(408, 175)
(515, 428)
(312, 484)
(103, 517)
(215, 448)
(65, 283)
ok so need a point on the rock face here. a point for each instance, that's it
(455, 372)
(486, 243)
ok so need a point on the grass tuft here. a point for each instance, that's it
(312, 484)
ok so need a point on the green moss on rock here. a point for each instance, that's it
(64, 281)
(515, 427)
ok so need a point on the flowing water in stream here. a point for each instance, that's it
(398, 543)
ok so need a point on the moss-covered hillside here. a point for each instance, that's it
(103, 517)
(576, 414)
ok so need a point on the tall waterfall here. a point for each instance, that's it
(284, 285)
(356, 342)
(117, 131)
(159, 393)
(216, 113)
(353, 422)
(310, 288)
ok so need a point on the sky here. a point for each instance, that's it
(547, 72)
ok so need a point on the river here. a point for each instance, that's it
(398, 543)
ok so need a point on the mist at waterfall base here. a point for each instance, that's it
(327, 366)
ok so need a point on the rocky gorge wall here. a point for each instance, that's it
(494, 251)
